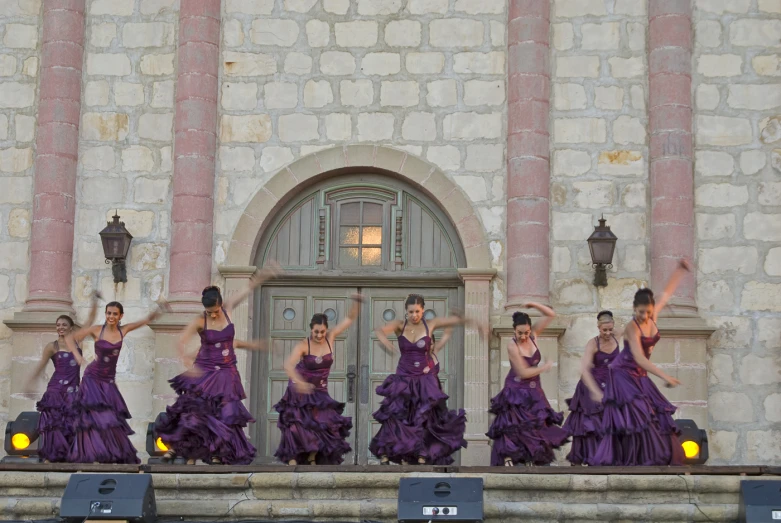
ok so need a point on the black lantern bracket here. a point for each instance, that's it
(116, 245)
(602, 245)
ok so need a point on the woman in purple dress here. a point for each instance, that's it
(526, 429)
(54, 424)
(416, 426)
(313, 428)
(100, 413)
(207, 420)
(585, 420)
(637, 421)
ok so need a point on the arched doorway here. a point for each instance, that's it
(366, 232)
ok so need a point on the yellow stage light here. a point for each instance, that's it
(691, 449)
(20, 441)
(160, 445)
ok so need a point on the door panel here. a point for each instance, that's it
(285, 313)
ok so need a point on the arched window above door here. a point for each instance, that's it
(355, 224)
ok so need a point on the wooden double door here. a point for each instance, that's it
(360, 362)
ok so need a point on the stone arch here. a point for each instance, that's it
(308, 169)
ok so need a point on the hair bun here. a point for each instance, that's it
(211, 288)
(518, 316)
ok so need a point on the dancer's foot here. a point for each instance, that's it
(403, 462)
(168, 457)
(508, 462)
(215, 461)
(384, 460)
(529, 464)
(312, 458)
(292, 463)
(421, 461)
(191, 461)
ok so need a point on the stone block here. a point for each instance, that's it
(754, 97)
(731, 407)
(479, 92)
(721, 195)
(715, 226)
(456, 32)
(139, 223)
(719, 65)
(21, 36)
(630, 226)
(232, 33)
(403, 33)
(441, 93)
(618, 294)
(610, 98)
(759, 296)
(98, 158)
(137, 158)
(7, 65)
(96, 93)
(572, 292)
(147, 34)
(475, 7)
(725, 259)
(633, 195)
(446, 157)
(337, 63)
(425, 63)
(707, 96)
(772, 405)
(577, 66)
(112, 7)
(420, 7)
(749, 32)
(126, 93)
(635, 258)
(239, 95)
(473, 186)
(568, 97)
(381, 64)
(318, 33)
(571, 226)
(751, 162)
(762, 226)
(773, 262)
(274, 32)
(723, 130)
(14, 256)
(561, 260)
(356, 93)
(299, 6)
(470, 126)
(714, 163)
(280, 95)
(157, 64)
(577, 8)
(107, 127)
(298, 128)
(769, 193)
(108, 64)
(762, 446)
(579, 130)
(317, 93)
(626, 67)
(148, 256)
(237, 158)
(374, 127)
(707, 33)
(715, 296)
(479, 63)
(563, 36)
(767, 65)
(16, 189)
(19, 223)
(570, 162)
(249, 64)
(298, 64)
(15, 95)
(600, 37)
(635, 34)
(360, 33)
(628, 130)
(399, 94)
(250, 128)
(274, 158)
(722, 444)
(249, 7)
(757, 370)
(156, 126)
(16, 160)
(162, 94)
(593, 195)
(151, 190)
(338, 126)
(484, 158)
(419, 127)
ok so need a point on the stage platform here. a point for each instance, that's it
(368, 494)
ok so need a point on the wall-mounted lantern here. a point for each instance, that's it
(602, 244)
(116, 244)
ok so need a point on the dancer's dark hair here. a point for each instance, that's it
(66, 318)
(521, 318)
(319, 319)
(414, 299)
(211, 296)
(117, 305)
(644, 297)
(605, 316)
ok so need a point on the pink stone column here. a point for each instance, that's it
(671, 173)
(528, 172)
(57, 151)
(195, 144)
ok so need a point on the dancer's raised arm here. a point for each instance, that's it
(272, 270)
(352, 314)
(672, 284)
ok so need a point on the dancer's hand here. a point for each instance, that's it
(671, 382)
(426, 370)
(194, 371)
(304, 387)
(548, 365)
(685, 264)
(596, 396)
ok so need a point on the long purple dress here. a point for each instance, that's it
(312, 422)
(208, 418)
(100, 412)
(526, 427)
(56, 407)
(637, 422)
(585, 420)
(414, 418)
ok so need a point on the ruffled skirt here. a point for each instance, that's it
(312, 423)
(101, 431)
(583, 424)
(416, 423)
(637, 424)
(526, 429)
(207, 420)
(55, 425)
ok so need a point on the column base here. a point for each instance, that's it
(478, 453)
(185, 305)
(49, 303)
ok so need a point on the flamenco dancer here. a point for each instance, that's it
(207, 420)
(54, 424)
(313, 428)
(416, 426)
(436, 346)
(526, 429)
(100, 413)
(585, 420)
(637, 420)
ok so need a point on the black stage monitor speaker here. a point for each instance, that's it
(441, 499)
(760, 501)
(129, 497)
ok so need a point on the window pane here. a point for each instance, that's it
(348, 257)
(349, 235)
(350, 214)
(372, 214)
(371, 256)
(371, 236)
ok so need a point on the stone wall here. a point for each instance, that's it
(19, 64)
(738, 193)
